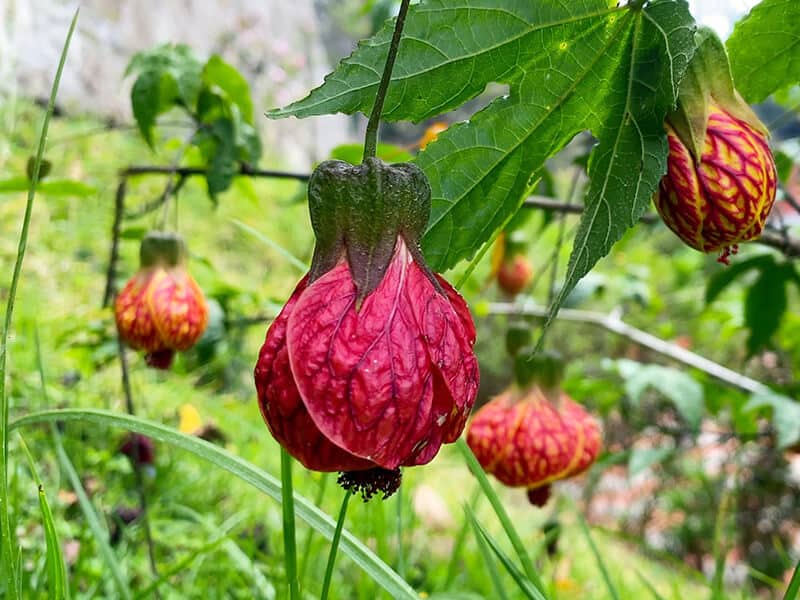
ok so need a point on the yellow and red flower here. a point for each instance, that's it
(161, 309)
(724, 198)
(528, 439)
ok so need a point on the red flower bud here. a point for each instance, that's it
(161, 309)
(370, 363)
(514, 274)
(724, 197)
(525, 440)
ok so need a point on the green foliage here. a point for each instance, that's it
(558, 59)
(9, 572)
(785, 415)
(761, 49)
(766, 300)
(680, 388)
(54, 187)
(322, 523)
(214, 96)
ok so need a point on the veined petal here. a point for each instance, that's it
(365, 375)
(283, 409)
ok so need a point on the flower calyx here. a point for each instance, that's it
(708, 87)
(359, 211)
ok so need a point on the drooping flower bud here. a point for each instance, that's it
(721, 178)
(370, 363)
(514, 274)
(161, 309)
(527, 439)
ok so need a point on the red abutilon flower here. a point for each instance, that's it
(528, 438)
(369, 366)
(726, 197)
(161, 309)
(721, 178)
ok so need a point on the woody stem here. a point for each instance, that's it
(371, 137)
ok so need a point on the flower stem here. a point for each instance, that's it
(289, 542)
(371, 137)
(326, 584)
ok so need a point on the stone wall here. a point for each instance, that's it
(273, 42)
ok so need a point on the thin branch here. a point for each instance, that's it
(612, 323)
(371, 136)
(194, 171)
(116, 228)
(787, 244)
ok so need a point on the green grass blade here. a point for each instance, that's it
(289, 537)
(6, 549)
(326, 584)
(92, 519)
(178, 567)
(401, 563)
(650, 587)
(793, 590)
(612, 589)
(502, 515)
(362, 556)
(486, 554)
(58, 586)
(523, 583)
(296, 262)
(458, 544)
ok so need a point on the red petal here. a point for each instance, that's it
(449, 332)
(282, 408)
(389, 381)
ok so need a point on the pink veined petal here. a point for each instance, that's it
(283, 409)
(364, 375)
(449, 332)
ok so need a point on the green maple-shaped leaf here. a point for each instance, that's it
(570, 67)
(764, 49)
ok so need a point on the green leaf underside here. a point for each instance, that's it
(785, 416)
(680, 388)
(570, 67)
(381, 573)
(762, 49)
(765, 304)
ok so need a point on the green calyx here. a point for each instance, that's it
(161, 248)
(545, 369)
(708, 81)
(518, 336)
(358, 211)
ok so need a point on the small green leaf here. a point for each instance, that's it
(765, 305)
(784, 164)
(644, 458)
(152, 93)
(681, 389)
(785, 415)
(724, 277)
(763, 49)
(223, 166)
(226, 79)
